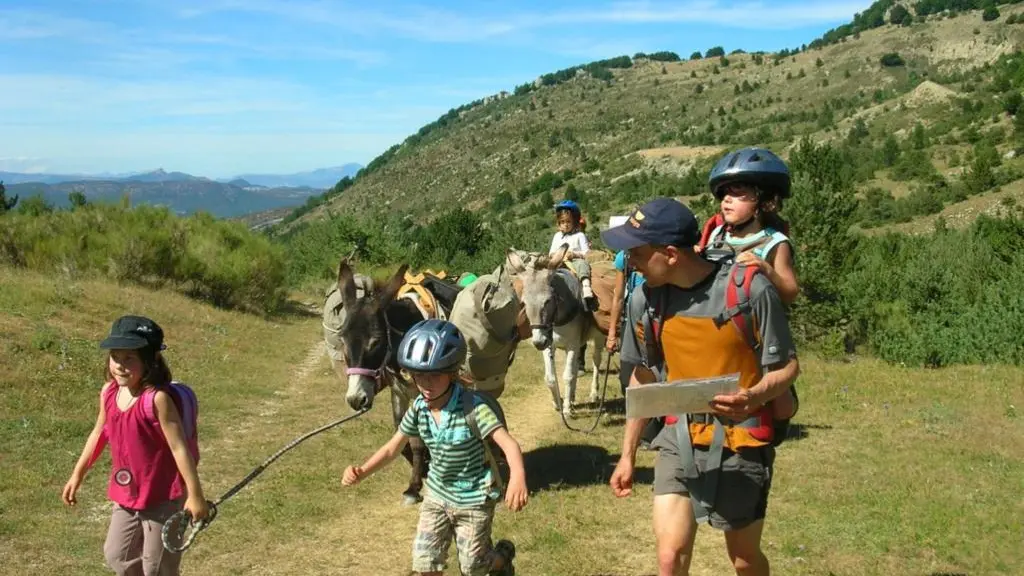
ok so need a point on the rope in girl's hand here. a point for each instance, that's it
(174, 535)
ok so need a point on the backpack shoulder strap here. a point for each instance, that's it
(468, 396)
(185, 401)
(737, 303)
(469, 413)
(711, 228)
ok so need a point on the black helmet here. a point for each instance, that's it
(755, 166)
(432, 346)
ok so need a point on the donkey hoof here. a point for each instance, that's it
(569, 410)
(593, 398)
(411, 499)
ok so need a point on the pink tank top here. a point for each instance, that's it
(143, 472)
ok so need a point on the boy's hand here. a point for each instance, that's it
(70, 489)
(516, 495)
(352, 476)
(198, 508)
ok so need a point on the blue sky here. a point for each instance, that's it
(221, 87)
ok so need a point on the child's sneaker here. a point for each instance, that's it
(507, 550)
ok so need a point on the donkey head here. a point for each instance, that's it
(539, 298)
(365, 332)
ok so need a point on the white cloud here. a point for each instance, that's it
(26, 164)
(434, 25)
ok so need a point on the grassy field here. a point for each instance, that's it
(894, 471)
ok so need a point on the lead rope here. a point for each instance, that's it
(173, 532)
(623, 315)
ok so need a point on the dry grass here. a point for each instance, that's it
(898, 470)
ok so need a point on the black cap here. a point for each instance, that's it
(134, 332)
(660, 222)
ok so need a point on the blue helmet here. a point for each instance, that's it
(568, 205)
(432, 346)
(755, 166)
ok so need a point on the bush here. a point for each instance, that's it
(891, 59)
(990, 13)
(946, 298)
(215, 260)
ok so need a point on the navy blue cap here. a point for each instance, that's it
(660, 222)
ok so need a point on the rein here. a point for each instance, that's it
(600, 405)
(173, 532)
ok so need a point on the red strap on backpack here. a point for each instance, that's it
(741, 317)
(709, 227)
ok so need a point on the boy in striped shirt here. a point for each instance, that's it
(462, 486)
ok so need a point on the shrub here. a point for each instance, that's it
(215, 260)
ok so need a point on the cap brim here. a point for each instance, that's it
(623, 237)
(123, 343)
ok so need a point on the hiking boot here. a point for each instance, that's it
(507, 550)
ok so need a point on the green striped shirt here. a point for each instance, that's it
(459, 474)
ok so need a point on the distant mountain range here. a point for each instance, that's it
(183, 193)
(320, 178)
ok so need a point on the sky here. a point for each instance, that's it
(222, 87)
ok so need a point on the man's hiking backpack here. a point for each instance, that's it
(487, 312)
(739, 313)
(185, 401)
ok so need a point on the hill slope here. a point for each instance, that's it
(597, 127)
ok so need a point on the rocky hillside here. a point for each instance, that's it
(924, 108)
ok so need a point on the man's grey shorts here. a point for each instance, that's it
(744, 481)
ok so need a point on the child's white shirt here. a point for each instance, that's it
(577, 242)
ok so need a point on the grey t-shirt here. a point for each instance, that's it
(707, 299)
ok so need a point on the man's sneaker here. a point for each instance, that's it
(508, 551)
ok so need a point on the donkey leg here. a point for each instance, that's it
(597, 356)
(419, 469)
(550, 378)
(571, 373)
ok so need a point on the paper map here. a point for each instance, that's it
(678, 396)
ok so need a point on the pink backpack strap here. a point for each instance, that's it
(184, 400)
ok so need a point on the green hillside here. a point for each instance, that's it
(926, 112)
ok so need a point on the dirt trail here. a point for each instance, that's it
(371, 532)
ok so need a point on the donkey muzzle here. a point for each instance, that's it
(362, 385)
(541, 337)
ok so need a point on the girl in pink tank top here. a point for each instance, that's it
(152, 468)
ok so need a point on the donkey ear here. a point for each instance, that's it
(515, 261)
(556, 259)
(394, 284)
(346, 284)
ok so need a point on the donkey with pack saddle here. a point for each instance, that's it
(365, 320)
(554, 307)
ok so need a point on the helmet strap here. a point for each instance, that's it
(444, 396)
(741, 226)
